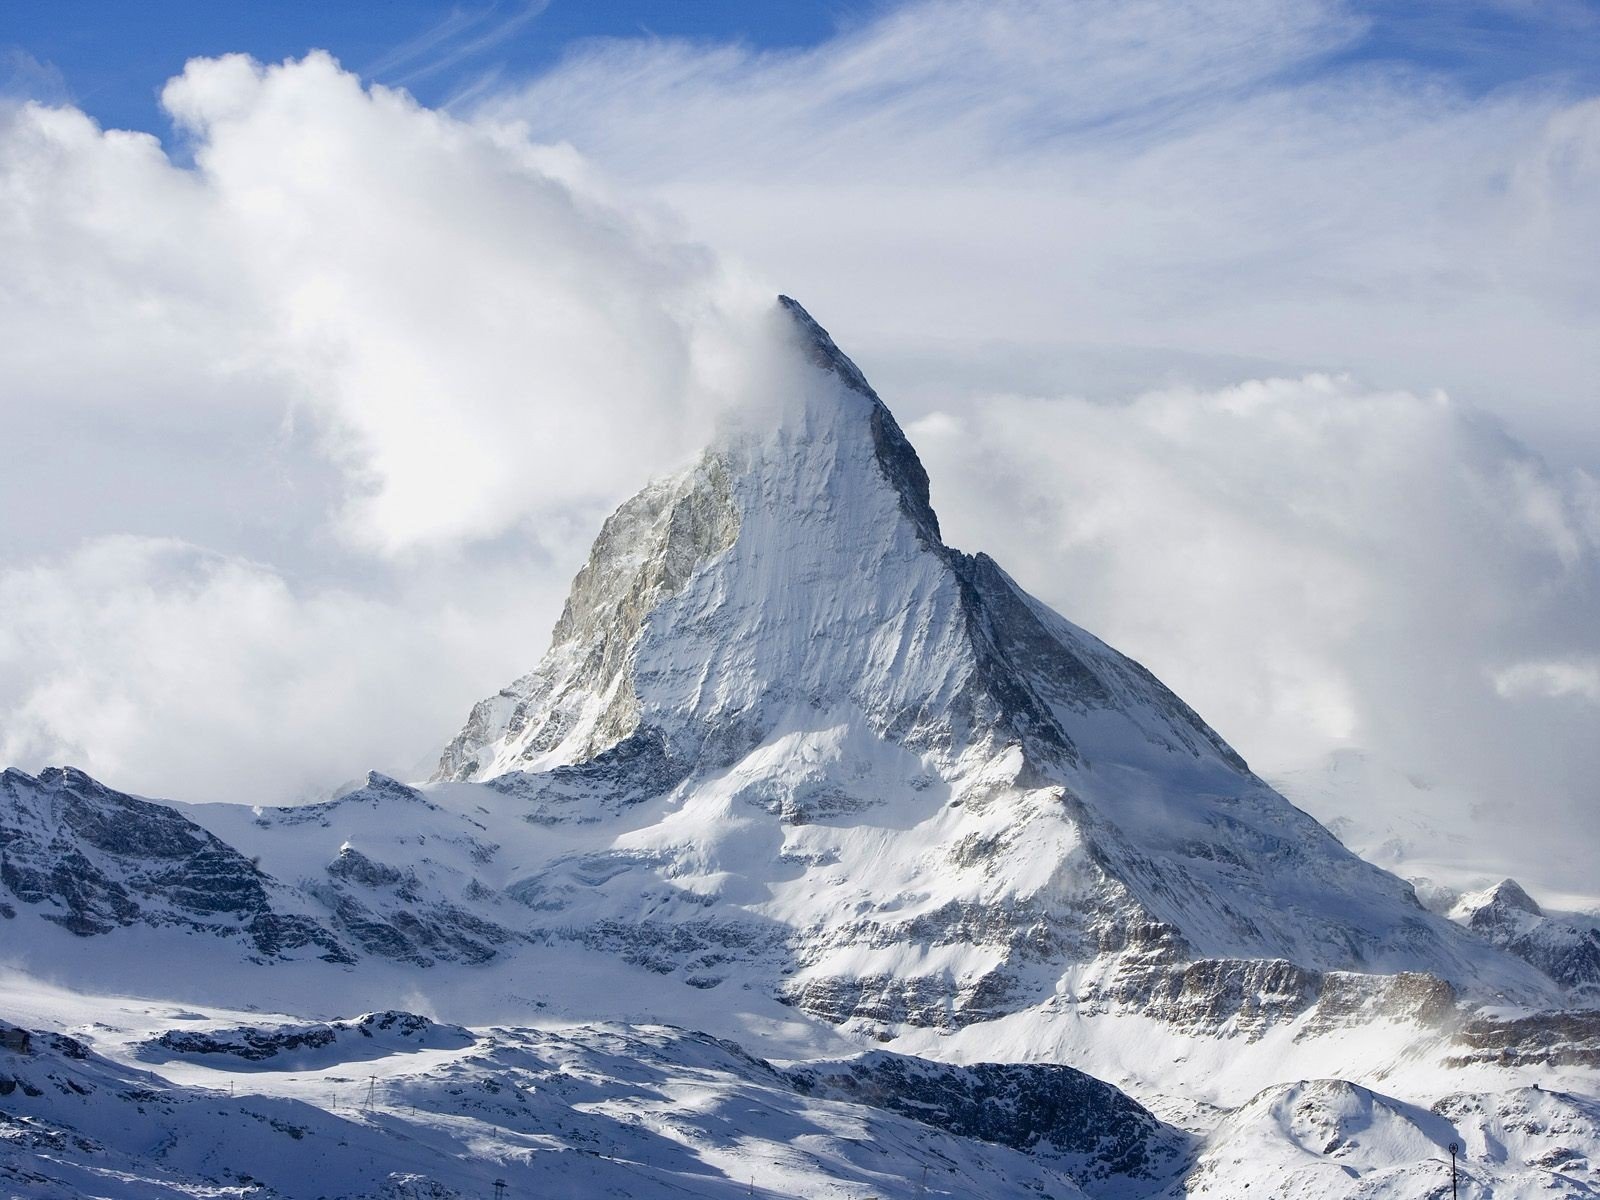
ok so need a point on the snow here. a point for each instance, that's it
(643, 1112)
(796, 775)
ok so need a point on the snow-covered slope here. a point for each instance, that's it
(1326, 1138)
(657, 1114)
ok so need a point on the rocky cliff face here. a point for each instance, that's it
(91, 860)
(878, 763)
(580, 701)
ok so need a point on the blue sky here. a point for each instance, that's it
(111, 58)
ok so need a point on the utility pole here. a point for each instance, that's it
(1454, 1147)
(499, 1189)
(372, 1084)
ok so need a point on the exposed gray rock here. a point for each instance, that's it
(372, 1035)
(1039, 1107)
(583, 690)
(1554, 1039)
(1565, 948)
(91, 860)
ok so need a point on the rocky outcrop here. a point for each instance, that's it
(1553, 1039)
(1567, 949)
(1039, 1107)
(90, 859)
(581, 697)
(369, 1036)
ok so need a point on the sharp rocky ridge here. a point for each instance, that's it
(794, 773)
(776, 656)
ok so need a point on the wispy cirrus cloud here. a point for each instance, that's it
(463, 34)
(1162, 185)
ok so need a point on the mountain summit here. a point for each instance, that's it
(940, 797)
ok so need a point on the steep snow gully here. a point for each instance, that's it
(816, 858)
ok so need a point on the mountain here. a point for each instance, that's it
(91, 860)
(1567, 949)
(771, 662)
(929, 868)
(656, 1114)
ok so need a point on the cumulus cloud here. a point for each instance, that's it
(462, 315)
(306, 433)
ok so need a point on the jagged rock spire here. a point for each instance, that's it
(781, 630)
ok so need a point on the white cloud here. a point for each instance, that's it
(480, 337)
(171, 670)
(1098, 197)
(390, 368)
(1316, 565)
(1552, 680)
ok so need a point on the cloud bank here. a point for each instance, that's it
(1320, 566)
(298, 430)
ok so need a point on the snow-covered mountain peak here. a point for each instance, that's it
(792, 694)
(800, 563)
(1507, 895)
(895, 456)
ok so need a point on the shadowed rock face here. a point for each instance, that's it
(91, 859)
(1565, 949)
(370, 1036)
(1030, 1106)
